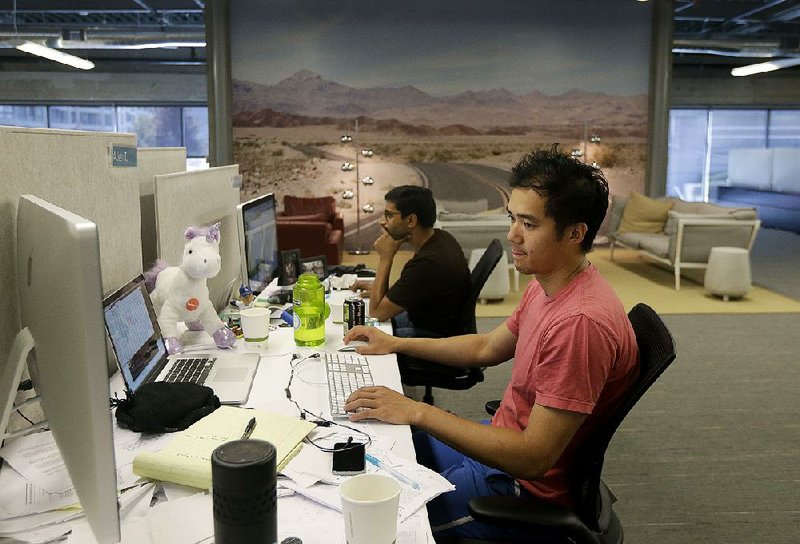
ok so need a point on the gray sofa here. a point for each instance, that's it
(691, 230)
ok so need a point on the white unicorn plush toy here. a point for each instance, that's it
(180, 293)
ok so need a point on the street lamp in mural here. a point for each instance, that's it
(367, 180)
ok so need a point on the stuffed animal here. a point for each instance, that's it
(179, 293)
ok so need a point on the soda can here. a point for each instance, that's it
(353, 313)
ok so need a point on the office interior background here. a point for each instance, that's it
(713, 453)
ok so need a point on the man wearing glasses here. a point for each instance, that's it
(428, 298)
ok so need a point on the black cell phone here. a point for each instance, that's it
(348, 458)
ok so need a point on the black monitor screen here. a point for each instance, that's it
(261, 241)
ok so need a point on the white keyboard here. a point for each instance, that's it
(346, 373)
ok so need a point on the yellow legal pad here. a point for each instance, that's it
(187, 459)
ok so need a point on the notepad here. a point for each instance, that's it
(187, 459)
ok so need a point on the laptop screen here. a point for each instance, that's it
(134, 333)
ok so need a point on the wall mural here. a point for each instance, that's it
(443, 94)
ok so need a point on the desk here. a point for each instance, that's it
(318, 524)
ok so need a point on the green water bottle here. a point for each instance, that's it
(310, 311)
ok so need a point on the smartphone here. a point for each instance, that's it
(348, 458)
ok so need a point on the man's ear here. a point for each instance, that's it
(577, 232)
(411, 220)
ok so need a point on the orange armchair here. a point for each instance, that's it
(316, 208)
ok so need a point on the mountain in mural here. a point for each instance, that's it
(306, 96)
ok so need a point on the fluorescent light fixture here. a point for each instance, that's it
(163, 45)
(53, 54)
(761, 67)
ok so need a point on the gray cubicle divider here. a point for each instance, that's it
(73, 170)
(154, 161)
(201, 198)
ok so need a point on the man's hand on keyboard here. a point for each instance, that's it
(378, 342)
(382, 403)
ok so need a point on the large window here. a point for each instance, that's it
(700, 139)
(154, 126)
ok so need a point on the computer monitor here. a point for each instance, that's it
(258, 241)
(61, 303)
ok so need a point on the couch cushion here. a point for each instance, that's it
(786, 169)
(644, 214)
(297, 205)
(655, 243)
(321, 217)
(461, 206)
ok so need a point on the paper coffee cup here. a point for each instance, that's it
(255, 327)
(369, 505)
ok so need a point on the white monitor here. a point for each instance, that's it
(61, 303)
(258, 241)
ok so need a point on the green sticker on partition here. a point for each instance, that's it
(122, 156)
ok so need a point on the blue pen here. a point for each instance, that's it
(380, 464)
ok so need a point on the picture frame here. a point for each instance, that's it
(290, 266)
(316, 265)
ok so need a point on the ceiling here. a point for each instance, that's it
(707, 33)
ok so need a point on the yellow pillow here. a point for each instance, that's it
(644, 214)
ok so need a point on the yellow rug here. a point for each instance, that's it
(635, 280)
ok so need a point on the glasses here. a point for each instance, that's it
(388, 215)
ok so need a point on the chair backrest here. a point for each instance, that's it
(656, 352)
(483, 269)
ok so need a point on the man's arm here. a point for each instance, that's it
(527, 454)
(380, 307)
(470, 350)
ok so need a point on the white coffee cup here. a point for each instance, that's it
(255, 326)
(369, 505)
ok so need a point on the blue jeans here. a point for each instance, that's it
(448, 513)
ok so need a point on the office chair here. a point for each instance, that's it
(594, 520)
(414, 371)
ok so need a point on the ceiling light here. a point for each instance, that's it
(765, 66)
(53, 54)
(163, 45)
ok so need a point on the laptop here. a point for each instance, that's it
(142, 356)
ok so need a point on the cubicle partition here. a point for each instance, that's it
(201, 198)
(154, 161)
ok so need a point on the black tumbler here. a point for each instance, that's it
(243, 487)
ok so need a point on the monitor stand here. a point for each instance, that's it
(9, 382)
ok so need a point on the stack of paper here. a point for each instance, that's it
(187, 459)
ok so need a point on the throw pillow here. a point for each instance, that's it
(644, 214)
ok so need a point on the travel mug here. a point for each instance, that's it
(243, 488)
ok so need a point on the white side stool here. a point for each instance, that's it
(728, 272)
(498, 284)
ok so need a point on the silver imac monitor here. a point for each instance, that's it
(61, 303)
(258, 241)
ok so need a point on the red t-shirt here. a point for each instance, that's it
(575, 351)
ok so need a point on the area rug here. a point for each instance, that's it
(635, 280)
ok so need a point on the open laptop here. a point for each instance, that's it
(142, 356)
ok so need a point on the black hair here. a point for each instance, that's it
(574, 192)
(417, 200)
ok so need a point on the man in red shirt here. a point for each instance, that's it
(574, 354)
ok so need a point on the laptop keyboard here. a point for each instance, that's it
(190, 370)
(346, 373)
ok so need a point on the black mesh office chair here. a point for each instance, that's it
(414, 371)
(594, 520)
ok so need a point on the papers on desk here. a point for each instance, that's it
(186, 460)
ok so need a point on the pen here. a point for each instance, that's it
(249, 429)
(380, 464)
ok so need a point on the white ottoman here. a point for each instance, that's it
(498, 284)
(728, 272)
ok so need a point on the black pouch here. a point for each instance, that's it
(164, 407)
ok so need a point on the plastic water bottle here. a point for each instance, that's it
(310, 311)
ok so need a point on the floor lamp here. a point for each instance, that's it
(367, 208)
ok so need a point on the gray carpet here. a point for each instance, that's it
(712, 453)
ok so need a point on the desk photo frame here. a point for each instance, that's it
(290, 266)
(316, 265)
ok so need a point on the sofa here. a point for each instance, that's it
(677, 233)
(767, 178)
(472, 224)
(312, 225)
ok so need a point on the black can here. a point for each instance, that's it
(353, 312)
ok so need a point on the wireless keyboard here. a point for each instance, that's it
(346, 373)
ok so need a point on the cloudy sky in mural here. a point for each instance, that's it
(447, 47)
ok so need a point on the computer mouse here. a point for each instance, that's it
(353, 345)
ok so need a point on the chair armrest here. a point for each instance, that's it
(694, 236)
(514, 510)
(338, 221)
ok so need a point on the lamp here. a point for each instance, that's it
(366, 180)
(762, 67)
(53, 54)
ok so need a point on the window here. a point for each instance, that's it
(700, 139)
(154, 126)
